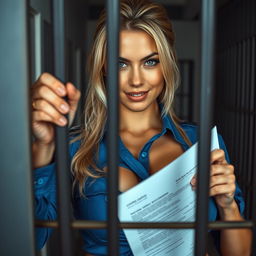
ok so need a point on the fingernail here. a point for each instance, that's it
(193, 181)
(61, 90)
(64, 107)
(62, 120)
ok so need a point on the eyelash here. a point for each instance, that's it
(155, 62)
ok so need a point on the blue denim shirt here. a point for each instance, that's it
(94, 205)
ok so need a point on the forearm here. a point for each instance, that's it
(234, 241)
(42, 154)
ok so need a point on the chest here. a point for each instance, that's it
(163, 150)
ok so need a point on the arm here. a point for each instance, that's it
(234, 241)
(222, 186)
(49, 108)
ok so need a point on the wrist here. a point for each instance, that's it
(230, 212)
(42, 153)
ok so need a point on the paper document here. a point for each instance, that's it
(165, 196)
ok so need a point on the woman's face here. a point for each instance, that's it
(140, 73)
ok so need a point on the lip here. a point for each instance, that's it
(142, 95)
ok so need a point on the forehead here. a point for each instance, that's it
(136, 44)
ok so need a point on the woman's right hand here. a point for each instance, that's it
(49, 108)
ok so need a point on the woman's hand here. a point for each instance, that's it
(235, 242)
(222, 180)
(48, 109)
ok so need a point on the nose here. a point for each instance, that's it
(136, 77)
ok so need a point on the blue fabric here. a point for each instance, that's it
(94, 205)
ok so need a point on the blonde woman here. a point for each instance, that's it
(150, 134)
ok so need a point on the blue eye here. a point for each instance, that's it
(151, 62)
(122, 64)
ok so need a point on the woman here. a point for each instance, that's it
(150, 134)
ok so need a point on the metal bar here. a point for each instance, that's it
(247, 139)
(251, 67)
(253, 192)
(155, 225)
(16, 222)
(62, 158)
(242, 104)
(112, 123)
(208, 43)
(238, 93)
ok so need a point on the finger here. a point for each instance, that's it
(43, 92)
(193, 180)
(224, 169)
(47, 108)
(222, 180)
(216, 169)
(228, 189)
(73, 95)
(38, 116)
(218, 156)
(52, 82)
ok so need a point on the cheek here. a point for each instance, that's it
(156, 78)
(122, 79)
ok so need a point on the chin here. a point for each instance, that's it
(138, 108)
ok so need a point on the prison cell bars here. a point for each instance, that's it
(62, 156)
(16, 232)
(236, 98)
(27, 246)
(206, 100)
(112, 123)
(201, 225)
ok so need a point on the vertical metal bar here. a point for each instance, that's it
(242, 113)
(113, 123)
(246, 168)
(251, 128)
(254, 145)
(238, 93)
(206, 99)
(16, 213)
(62, 158)
(242, 95)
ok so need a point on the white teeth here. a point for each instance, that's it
(136, 94)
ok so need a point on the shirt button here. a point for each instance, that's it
(40, 181)
(144, 154)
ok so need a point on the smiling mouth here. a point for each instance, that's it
(137, 96)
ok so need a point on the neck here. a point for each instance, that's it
(139, 122)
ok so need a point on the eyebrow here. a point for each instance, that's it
(144, 58)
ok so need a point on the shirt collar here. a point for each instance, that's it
(168, 124)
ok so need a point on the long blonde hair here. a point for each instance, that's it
(134, 15)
